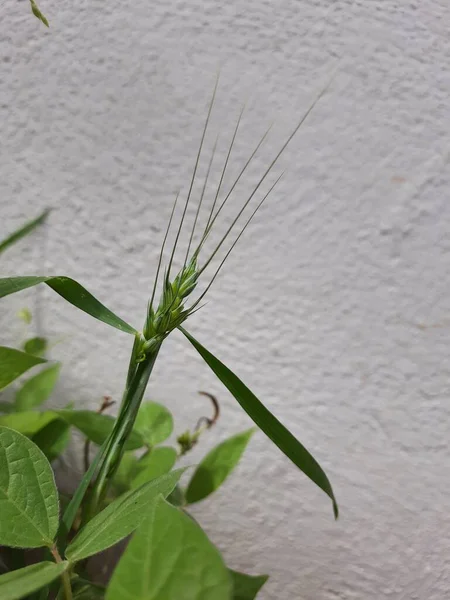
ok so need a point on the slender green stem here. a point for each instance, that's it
(65, 576)
(122, 428)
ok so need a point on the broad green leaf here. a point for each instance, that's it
(153, 464)
(36, 390)
(86, 590)
(97, 427)
(36, 346)
(120, 518)
(170, 557)
(18, 584)
(53, 439)
(28, 423)
(71, 291)
(125, 472)
(37, 13)
(216, 466)
(246, 587)
(29, 505)
(177, 497)
(6, 407)
(23, 231)
(14, 363)
(266, 421)
(154, 422)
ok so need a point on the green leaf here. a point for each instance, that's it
(153, 464)
(25, 315)
(53, 439)
(170, 557)
(120, 518)
(216, 466)
(265, 420)
(14, 363)
(36, 346)
(125, 473)
(71, 291)
(86, 590)
(177, 497)
(37, 390)
(18, 584)
(29, 505)
(97, 427)
(246, 587)
(154, 422)
(28, 423)
(23, 231)
(6, 407)
(37, 13)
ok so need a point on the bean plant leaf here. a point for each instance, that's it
(86, 590)
(170, 556)
(6, 407)
(120, 518)
(28, 423)
(266, 421)
(37, 13)
(14, 363)
(97, 427)
(36, 390)
(126, 471)
(29, 505)
(154, 422)
(21, 582)
(217, 466)
(53, 439)
(23, 231)
(246, 587)
(153, 464)
(71, 291)
(177, 497)
(36, 346)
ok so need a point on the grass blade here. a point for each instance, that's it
(71, 291)
(23, 231)
(277, 432)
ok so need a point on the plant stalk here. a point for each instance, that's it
(123, 426)
(65, 577)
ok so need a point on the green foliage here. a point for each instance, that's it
(153, 464)
(85, 590)
(170, 556)
(246, 587)
(37, 390)
(6, 407)
(277, 432)
(217, 466)
(14, 363)
(37, 13)
(28, 496)
(18, 584)
(28, 423)
(154, 422)
(53, 438)
(71, 291)
(24, 230)
(97, 427)
(36, 346)
(120, 518)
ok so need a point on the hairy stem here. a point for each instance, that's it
(65, 577)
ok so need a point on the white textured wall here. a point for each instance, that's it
(336, 308)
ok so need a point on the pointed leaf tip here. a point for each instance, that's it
(267, 422)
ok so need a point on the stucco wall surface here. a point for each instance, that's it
(335, 306)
